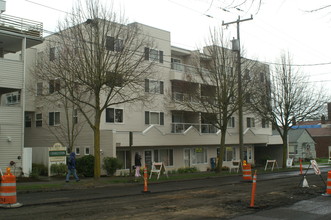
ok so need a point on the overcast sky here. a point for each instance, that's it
(280, 25)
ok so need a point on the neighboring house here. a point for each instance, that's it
(16, 35)
(322, 138)
(162, 131)
(320, 131)
(301, 145)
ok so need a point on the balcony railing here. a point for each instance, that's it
(21, 25)
(188, 68)
(203, 128)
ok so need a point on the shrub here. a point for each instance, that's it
(111, 164)
(85, 165)
(187, 170)
(39, 170)
(59, 169)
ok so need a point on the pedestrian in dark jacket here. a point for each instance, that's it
(137, 164)
(72, 167)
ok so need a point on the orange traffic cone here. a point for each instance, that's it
(328, 185)
(253, 191)
(145, 181)
(8, 191)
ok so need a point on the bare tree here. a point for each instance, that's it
(98, 61)
(213, 87)
(290, 98)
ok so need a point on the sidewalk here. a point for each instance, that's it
(317, 208)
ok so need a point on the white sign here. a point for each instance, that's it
(315, 166)
(289, 162)
(56, 155)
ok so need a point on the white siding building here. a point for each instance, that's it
(16, 35)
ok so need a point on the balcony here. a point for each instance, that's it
(202, 128)
(21, 26)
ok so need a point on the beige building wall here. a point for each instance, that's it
(153, 138)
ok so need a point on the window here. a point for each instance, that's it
(114, 79)
(247, 74)
(250, 122)
(199, 155)
(28, 120)
(154, 86)
(87, 151)
(248, 98)
(113, 44)
(153, 55)
(114, 115)
(164, 155)
(13, 98)
(54, 118)
(39, 120)
(231, 122)
(53, 53)
(154, 118)
(75, 116)
(77, 150)
(124, 157)
(39, 88)
(261, 76)
(230, 153)
(54, 85)
(265, 123)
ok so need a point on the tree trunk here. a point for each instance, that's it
(221, 155)
(284, 149)
(97, 162)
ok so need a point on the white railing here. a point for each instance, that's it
(188, 68)
(203, 128)
(21, 25)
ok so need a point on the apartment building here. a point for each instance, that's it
(16, 36)
(161, 130)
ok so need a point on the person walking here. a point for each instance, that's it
(137, 164)
(72, 167)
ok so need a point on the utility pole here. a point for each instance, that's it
(236, 47)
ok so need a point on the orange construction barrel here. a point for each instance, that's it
(247, 172)
(328, 185)
(8, 189)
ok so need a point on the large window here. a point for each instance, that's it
(231, 122)
(114, 44)
(114, 115)
(153, 86)
(53, 53)
(265, 123)
(199, 155)
(54, 85)
(124, 157)
(54, 118)
(154, 118)
(230, 154)
(28, 119)
(75, 116)
(39, 88)
(13, 98)
(153, 55)
(164, 155)
(39, 120)
(250, 122)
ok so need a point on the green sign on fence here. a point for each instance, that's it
(57, 153)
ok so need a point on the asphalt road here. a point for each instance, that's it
(219, 197)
